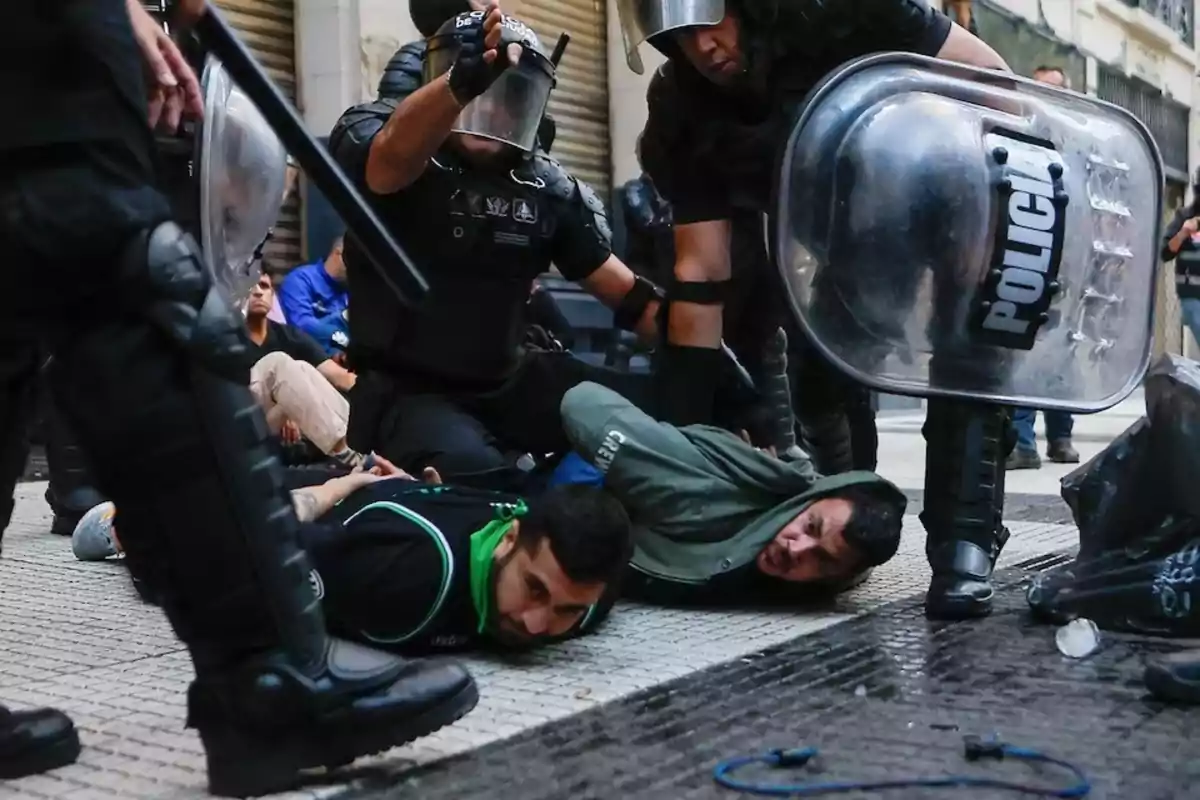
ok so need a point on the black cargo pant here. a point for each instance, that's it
(68, 216)
(476, 437)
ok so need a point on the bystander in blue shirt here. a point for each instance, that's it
(314, 299)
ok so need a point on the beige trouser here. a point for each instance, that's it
(288, 389)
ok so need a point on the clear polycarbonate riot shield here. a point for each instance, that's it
(385, 254)
(243, 173)
(949, 231)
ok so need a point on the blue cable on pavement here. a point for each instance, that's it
(975, 749)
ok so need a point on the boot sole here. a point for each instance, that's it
(244, 766)
(957, 610)
(1164, 686)
(61, 753)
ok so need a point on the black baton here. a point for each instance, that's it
(391, 262)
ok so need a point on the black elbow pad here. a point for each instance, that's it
(350, 140)
(402, 75)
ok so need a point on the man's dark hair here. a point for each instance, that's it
(1066, 78)
(587, 528)
(876, 519)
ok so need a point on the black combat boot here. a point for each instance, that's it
(966, 447)
(35, 741)
(71, 493)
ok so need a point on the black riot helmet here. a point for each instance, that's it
(428, 15)
(760, 21)
(647, 20)
(512, 108)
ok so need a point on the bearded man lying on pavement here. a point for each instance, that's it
(417, 566)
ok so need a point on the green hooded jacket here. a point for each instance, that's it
(703, 502)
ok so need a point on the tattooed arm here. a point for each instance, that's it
(310, 502)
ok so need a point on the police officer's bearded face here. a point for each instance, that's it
(534, 599)
(812, 547)
(714, 50)
(262, 298)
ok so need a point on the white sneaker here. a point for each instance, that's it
(93, 537)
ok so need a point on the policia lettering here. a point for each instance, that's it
(1027, 252)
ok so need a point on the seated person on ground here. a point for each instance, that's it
(296, 384)
(314, 299)
(413, 565)
(717, 520)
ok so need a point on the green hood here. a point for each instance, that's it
(747, 498)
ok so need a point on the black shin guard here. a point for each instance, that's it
(203, 515)
(72, 492)
(966, 447)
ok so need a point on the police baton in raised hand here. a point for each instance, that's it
(389, 259)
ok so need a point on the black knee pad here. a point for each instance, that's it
(167, 281)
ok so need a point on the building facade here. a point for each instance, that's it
(1139, 54)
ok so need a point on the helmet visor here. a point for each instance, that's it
(643, 19)
(512, 108)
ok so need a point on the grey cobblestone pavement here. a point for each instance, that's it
(886, 696)
(75, 635)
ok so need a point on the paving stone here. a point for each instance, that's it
(884, 696)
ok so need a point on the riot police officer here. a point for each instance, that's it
(453, 168)
(741, 68)
(146, 369)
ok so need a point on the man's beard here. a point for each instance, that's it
(498, 628)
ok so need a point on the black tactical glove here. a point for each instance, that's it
(470, 75)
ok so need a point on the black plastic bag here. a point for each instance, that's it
(1114, 497)
(1173, 408)
(1137, 505)
(1152, 587)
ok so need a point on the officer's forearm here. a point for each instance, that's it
(401, 151)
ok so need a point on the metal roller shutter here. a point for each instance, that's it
(580, 101)
(267, 28)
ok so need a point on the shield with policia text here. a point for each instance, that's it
(949, 231)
